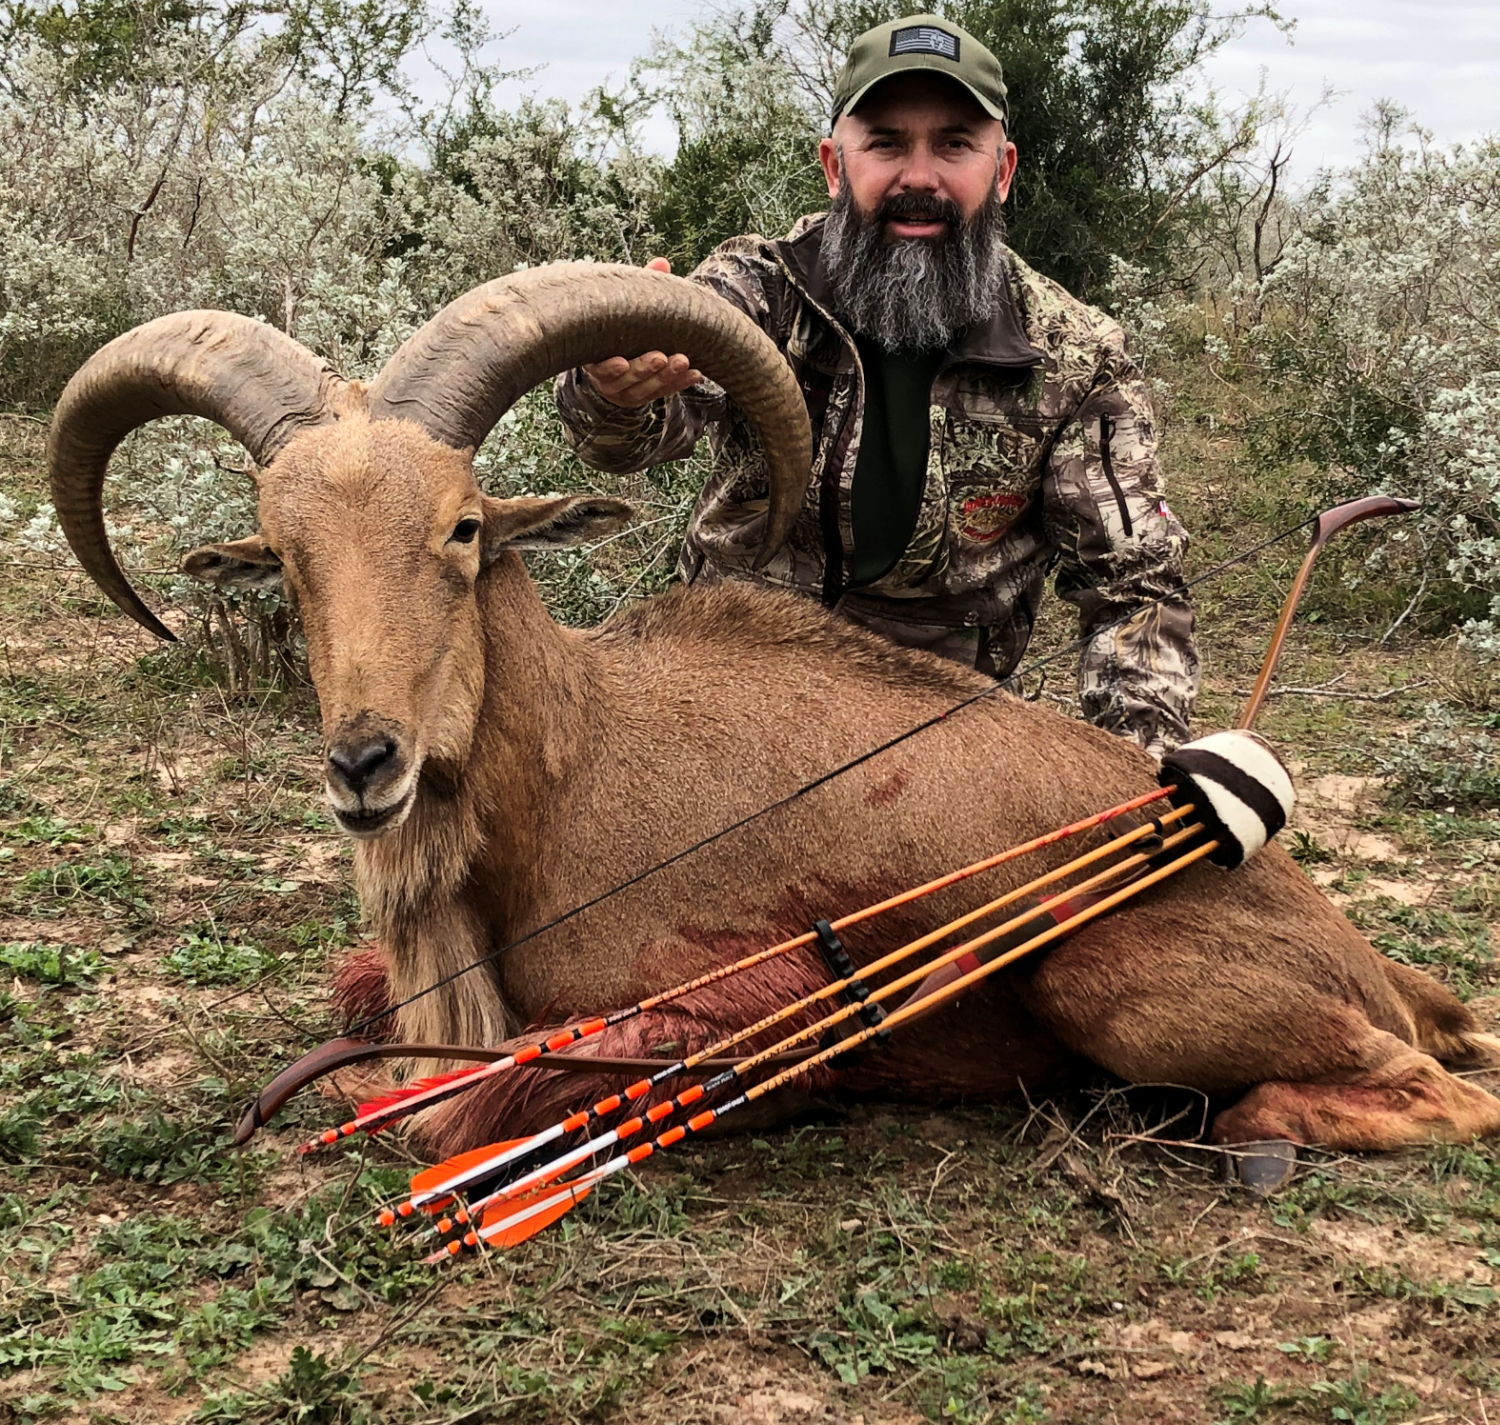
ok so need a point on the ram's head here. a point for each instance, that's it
(368, 505)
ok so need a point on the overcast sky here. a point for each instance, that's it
(1438, 58)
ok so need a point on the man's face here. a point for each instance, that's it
(915, 136)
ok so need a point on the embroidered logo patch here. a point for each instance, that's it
(925, 39)
(984, 518)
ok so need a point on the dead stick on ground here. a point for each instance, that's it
(1336, 693)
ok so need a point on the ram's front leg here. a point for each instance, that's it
(426, 981)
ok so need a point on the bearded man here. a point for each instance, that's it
(974, 426)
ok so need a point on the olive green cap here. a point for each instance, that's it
(920, 42)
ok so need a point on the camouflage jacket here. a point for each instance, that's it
(1042, 457)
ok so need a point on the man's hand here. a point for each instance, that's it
(649, 377)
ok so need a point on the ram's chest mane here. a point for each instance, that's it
(421, 868)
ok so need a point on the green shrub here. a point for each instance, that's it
(1376, 335)
(205, 959)
(1444, 763)
(51, 964)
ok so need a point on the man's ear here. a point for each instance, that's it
(1005, 166)
(556, 522)
(828, 157)
(244, 564)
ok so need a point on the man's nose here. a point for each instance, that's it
(920, 174)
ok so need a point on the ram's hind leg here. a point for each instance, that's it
(1308, 1027)
(1403, 1101)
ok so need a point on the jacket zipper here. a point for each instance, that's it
(1106, 429)
(834, 583)
(829, 500)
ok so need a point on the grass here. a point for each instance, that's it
(1450, 944)
(172, 896)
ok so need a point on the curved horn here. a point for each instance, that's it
(260, 385)
(462, 371)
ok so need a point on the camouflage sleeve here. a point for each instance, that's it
(1121, 550)
(620, 441)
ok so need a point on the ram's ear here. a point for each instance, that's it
(555, 522)
(243, 564)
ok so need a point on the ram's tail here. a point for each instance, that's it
(1483, 1050)
(1441, 1024)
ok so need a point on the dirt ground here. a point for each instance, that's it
(173, 898)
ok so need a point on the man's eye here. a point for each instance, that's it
(464, 531)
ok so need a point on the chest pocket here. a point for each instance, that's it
(993, 474)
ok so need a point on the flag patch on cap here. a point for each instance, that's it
(924, 39)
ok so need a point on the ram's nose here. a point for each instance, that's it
(358, 762)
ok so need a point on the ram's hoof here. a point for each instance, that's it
(1261, 1167)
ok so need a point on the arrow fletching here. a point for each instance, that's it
(549, 1204)
(516, 1221)
(390, 1108)
(428, 1185)
(377, 1113)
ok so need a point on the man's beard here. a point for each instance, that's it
(913, 293)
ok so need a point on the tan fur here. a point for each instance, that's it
(1482, 1051)
(553, 765)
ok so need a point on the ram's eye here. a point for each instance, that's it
(464, 531)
